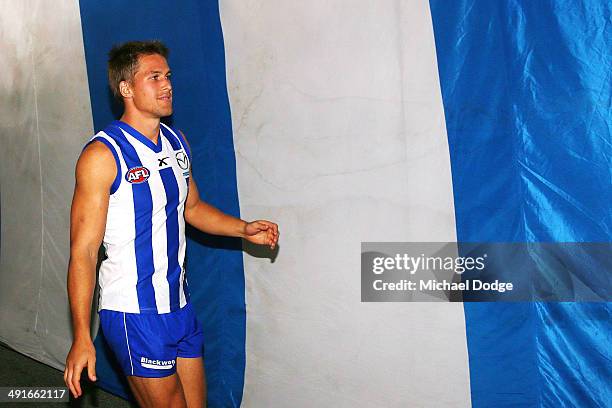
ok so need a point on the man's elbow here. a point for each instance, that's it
(87, 253)
(189, 210)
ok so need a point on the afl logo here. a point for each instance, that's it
(182, 160)
(137, 175)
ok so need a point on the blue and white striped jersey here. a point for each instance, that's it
(145, 227)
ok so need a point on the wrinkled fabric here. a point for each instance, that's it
(45, 118)
(526, 90)
(339, 136)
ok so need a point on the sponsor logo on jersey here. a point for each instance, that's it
(137, 175)
(182, 160)
(157, 364)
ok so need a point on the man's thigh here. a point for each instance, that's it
(158, 392)
(193, 380)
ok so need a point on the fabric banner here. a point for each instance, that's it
(526, 89)
(45, 118)
(340, 137)
(346, 122)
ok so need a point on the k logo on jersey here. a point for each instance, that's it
(137, 175)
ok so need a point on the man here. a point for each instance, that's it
(134, 191)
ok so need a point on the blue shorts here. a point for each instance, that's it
(147, 345)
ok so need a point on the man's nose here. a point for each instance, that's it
(167, 84)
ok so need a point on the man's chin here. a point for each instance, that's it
(166, 112)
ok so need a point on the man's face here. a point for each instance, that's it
(151, 88)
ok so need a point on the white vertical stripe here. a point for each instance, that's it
(339, 136)
(183, 189)
(119, 279)
(181, 260)
(127, 343)
(148, 159)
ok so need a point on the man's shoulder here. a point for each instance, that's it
(104, 142)
(96, 166)
(97, 155)
(97, 147)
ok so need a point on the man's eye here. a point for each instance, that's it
(155, 77)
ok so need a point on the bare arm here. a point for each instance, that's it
(208, 219)
(95, 172)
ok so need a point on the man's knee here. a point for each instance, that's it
(158, 392)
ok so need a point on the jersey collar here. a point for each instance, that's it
(140, 137)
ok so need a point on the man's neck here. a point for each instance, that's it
(149, 127)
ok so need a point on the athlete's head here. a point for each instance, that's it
(139, 75)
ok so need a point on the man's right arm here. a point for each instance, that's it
(95, 173)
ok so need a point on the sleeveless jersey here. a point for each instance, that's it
(145, 226)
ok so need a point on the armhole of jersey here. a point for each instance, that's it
(184, 143)
(179, 136)
(117, 180)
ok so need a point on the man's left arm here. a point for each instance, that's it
(209, 219)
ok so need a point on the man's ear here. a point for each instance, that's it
(125, 89)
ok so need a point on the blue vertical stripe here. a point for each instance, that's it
(220, 296)
(172, 235)
(526, 92)
(192, 31)
(143, 210)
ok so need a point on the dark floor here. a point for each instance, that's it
(21, 371)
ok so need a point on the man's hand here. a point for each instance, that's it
(82, 354)
(261, 232)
